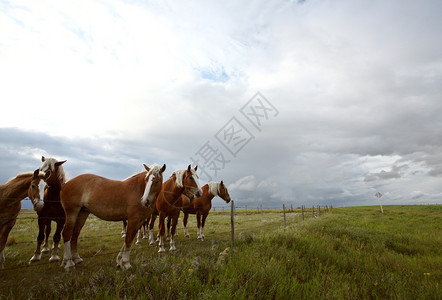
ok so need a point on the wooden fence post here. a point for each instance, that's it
(232, 224)
(283, 210)
(319, 210)
(313, 211)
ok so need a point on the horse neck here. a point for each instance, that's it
(172, 189)
(137, 181)
(17, 188)
(206, 196)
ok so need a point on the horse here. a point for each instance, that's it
(132, 199)
(201, 206)
(51, 210)
(168, 203)
(11, 193)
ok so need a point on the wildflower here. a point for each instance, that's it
(426, 274)
(376, 283)
(190, 271)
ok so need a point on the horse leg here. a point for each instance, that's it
(198, 223)
(123, 258)
(4, 232)
(186, 233)
(81, 220)
(46, 249)
(169, 219)
(139, 237)
(123, 232)
(71, 219)
(151, 224)
(57, 236)
(161, 232)
(172, 233)
(203, 222)
(40, 238)
(145, 224)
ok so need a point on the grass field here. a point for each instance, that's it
(348, 253)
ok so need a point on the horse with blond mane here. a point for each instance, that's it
(11, 193)
(168, 203)
(132, 199)
(51, 210)
(201, 206)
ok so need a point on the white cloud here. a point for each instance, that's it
(357, 85)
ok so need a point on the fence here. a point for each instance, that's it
(303, 210)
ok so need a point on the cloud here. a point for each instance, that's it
(109, 86)
(246, 183)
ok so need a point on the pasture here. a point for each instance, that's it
(348, 253)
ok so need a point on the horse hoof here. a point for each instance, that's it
(78, 261)
(34, 259)
(152, 243)
(145, 237)
(69, 265)
(138, 243)
(172, 248)
(45, 250)
(162, 250)
(54, 258)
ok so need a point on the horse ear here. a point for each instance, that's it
(221, 183)
(163, 168)
(43, 158)
(188, 168)
(59, 163)
(196, 168)
(36, 173)
(146, 167)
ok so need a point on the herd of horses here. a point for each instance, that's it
(137, 201)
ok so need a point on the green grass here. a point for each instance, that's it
(348, 253)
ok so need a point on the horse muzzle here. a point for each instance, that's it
(38, 206)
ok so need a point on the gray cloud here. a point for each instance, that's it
(357, 87)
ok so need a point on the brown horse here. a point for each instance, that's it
(51, 210)
(201, 206)
(169, 202)
(132, 199)
(11, 194)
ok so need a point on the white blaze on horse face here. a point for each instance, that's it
(145, 200)
(41, 187)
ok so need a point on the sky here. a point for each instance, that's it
(314, 102)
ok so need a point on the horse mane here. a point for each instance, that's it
(61, 173)
(20, 176)
(214, 188)
(154, 169)
(179, 174)
(180, 177)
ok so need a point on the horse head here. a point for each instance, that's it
(154, 182)
(54, 167)
(191, 183)
(36, 189)
(223, 192)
